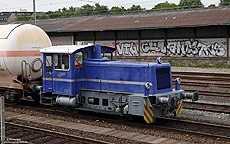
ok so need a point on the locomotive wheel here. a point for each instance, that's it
(36, 97)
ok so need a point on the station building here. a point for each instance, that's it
(182, 34)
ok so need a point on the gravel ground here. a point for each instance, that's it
(76, 132)
(140, 128)
(100, 120)
(206, 70)
(214, 100)
(208, 117)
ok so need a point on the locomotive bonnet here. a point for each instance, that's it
(19, 52)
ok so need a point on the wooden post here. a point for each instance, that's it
(2, 109)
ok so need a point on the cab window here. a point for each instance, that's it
(106, 54)
(79, 58)
(61, 61)
(48, 64)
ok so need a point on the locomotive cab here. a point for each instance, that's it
(62, 68)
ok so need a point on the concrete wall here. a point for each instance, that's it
(174, 47)
(61, 40)
(206, 41)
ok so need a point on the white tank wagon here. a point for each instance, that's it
(19, 53)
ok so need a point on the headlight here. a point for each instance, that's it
(159, 60)
(147, 85)
(178, 80)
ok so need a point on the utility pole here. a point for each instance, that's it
(2, 110)
(34, 12)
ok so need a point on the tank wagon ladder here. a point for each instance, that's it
(24, 66)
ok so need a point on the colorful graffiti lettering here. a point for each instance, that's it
(127, 48)
(176, 48)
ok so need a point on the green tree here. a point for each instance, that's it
(212, 5)
(55, 14)
(224, 2)
(165, 6)
(100, 9)
(72, 9)
(85, 10)
(64, 9)
(117, 10)
(23, 17)
(191, 4)
(135, 9)
(42, 15)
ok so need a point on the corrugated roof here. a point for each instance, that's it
(156, 20)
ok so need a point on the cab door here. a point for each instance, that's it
(77, 71)
(79, 57)
(48, 74)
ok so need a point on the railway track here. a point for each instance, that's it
(213, 76)
(23, 134)
(195, 128)
(210, 93)
(219, 108)
(174, 125)
(219, 81)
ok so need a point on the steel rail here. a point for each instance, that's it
(202, 74)
(57, 134)
(199, 124)
(200, 79)
(210, 93)
(223, 79)
(166, 127)
(205, 84)
(215, 107)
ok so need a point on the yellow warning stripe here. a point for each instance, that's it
(146, 112)
(153, 107)
(179, 107)
(150, 110)
(146, 120)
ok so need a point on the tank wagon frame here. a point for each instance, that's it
(83, 78)
(20, 59)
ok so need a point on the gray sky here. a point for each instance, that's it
(46, 5)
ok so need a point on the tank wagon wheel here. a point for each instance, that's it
(12, 96)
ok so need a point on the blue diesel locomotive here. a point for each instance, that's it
(85, 77)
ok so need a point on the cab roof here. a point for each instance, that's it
(64, 48)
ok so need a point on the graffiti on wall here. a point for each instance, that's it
(195, 48)
(127, 48)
